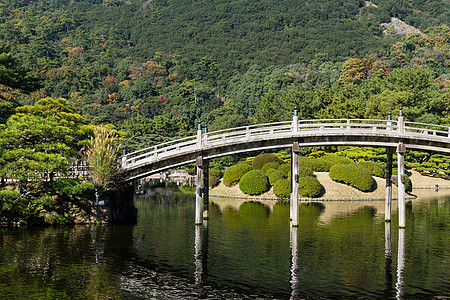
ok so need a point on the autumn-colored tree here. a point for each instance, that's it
(353, 70)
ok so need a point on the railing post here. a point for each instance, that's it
(247, 132)
(388, 202)
(348, 125)
(124, 158)
(389, 122)
(449, 132)
(294, 192)
(295, 121)
(401, 122)
(401, 149)
(199, 135)
(205, 136)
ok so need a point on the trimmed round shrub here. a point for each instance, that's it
(274, 176)
(305, 172)
(282, 189)
(374, 168)
(354, 175)
(234, 173)
(408, 182)
(254, 183)
(216, 172)
(271, 165)
(261, 159)
(315, 164)
(213, 181)
(285, 168)
(337, 159)
(309, 187)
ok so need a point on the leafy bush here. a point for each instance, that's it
(354, 175)
(315, 164)
(309, 187)
(271, 165)
(274, 176)
(305, 172)
(374, 168)
(336, 159)
(254, 183)
(216, 172)
(285, 168)
(213, 181)
(282, 189)
(408, 182)
(68, 186)
(234, 173)
(261, 159)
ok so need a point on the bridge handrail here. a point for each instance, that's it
(155, 147)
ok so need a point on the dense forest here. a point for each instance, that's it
(154, 68)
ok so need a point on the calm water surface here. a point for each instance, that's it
(245, 251)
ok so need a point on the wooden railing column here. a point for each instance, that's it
(294, 185)
(199, 135)
(205, 189)
(389, 122)
(401, 122)
(388, 202)
(295, 121)
(199, 191)
(124, 158)
(401, 149)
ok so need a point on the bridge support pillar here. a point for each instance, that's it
(199, 191)
(401, 149)
(294, 185)
(205, 189)
(388, 202)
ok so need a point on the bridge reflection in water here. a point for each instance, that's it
(394, 135)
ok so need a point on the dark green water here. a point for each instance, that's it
(244, 253)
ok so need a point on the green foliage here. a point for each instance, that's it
(282, 189)
(261, 159)
(270, 165)
(213, 180)
(234, 173)
(67, 186)
(354, 175)
(315, 164)
(305, 172)
(336, 159)
(408, 182)
(374, 168)
(285, 169)
(309, 187)
(274, 176)
(254, 182)
(216, 172)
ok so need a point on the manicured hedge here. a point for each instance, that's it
(353, 174)
(254, 182)
(213, 181)
(234, 173)
(216, 172)
(282, 189)
(374, 168)
(315, 164)
(274, 176)
(309, 187)
(304, 172)
(261, 159)
(408, 182)
(271, 165)
(285, 168)
(337, 159)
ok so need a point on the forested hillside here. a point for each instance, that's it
(154, 68)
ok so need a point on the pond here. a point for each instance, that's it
(246, 250)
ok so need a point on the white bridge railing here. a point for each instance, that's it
(295, 128)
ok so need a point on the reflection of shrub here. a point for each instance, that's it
(274, 176)
(285, 168)
(254, 183)
(271, 165)
(216, 172)
(213, 181)
(234, 173)
(336, 159)
(309, 187)
(282, 189)
(353, 174)
(374, 168)
(315, 164)
(261, 159)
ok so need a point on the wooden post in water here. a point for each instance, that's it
(401, 149)
(388, 202)
(205, 189)
(294, 185)
(199, 191)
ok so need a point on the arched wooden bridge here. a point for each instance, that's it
(291, 134)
